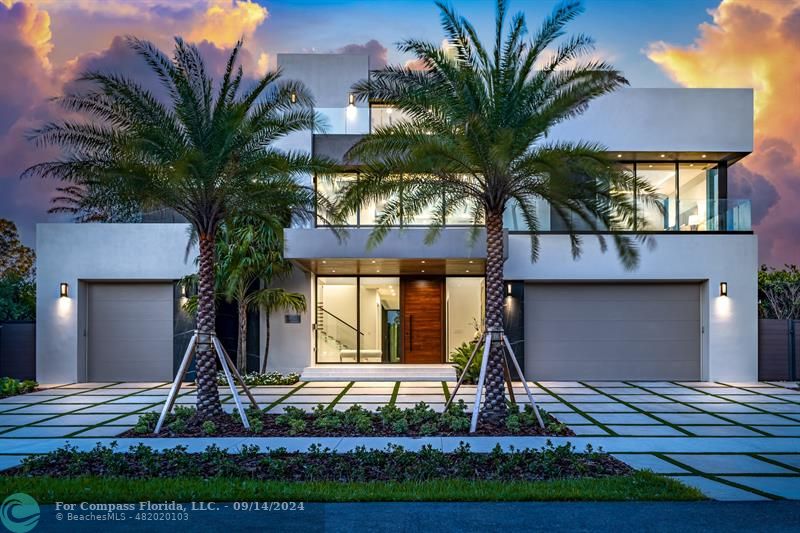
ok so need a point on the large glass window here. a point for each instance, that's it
(337, 320)
(329, 187)
(383, 116)
(464, 310)
(661, 214)
(379, 320)
(697, 196)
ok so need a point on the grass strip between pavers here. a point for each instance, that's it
(446, 391)
(641, 486)
(285, 396)
(340, 395)
(395, 392)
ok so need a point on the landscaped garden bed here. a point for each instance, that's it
(322, 421)
(393, 474)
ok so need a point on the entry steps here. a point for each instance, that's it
(378, 372)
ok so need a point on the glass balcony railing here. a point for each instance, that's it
(674, 215)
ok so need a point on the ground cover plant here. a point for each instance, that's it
(260, 379)
(420, 420)
(394, 463)
(13, 387)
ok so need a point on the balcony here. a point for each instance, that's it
(701, 215)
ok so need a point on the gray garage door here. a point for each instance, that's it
(129, 332)
(612, 332)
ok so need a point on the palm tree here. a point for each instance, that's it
(474, 138)
(205, 150)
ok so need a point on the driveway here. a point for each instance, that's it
(734, 441)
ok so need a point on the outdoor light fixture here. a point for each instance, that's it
(351, 99)
(293, 97)
(703, 156)
(183, 290)
(508, 289)
(619, 155)
(662, 155)
(723, 288)
(64, 289)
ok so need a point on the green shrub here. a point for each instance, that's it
(209, 427)
(14, 387)
(460, 356)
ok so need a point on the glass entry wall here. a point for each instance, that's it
(359, 318)
(465, 303)
(379, 320)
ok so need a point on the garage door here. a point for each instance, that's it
(612, 331)
(129, 332)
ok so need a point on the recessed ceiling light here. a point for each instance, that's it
(703, 156)
(373, 261)
(471, 262)
(334, 271)
(467, 271)
(378, 271)
(662, 155)
(651, 166)
(619, 155)
(324, 262)
(423, 262)
(691, 164)
(423, 271)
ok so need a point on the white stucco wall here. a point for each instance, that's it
(290, 344)
(76, 253)
(666, 120)
(730, 341)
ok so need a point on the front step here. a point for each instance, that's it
(378, 372)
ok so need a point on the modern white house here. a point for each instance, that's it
(109, 300)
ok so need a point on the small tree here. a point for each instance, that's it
(249, 258)
(779, 292)
(17, 286)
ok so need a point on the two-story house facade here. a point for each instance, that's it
(398, 311)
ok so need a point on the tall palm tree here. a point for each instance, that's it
(205, 150)
(475, 138)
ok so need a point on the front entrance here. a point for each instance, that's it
(411, 319)
(423, 319)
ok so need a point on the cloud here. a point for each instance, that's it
(755, 43)
(378, 54)
(226, 21)
(31, 75)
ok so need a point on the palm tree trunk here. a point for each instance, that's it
(266, 346)
(494, 406)
(208, 404)
(241, 350)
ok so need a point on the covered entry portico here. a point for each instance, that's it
(372, 307)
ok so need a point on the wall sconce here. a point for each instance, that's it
(723, 288)
(64, 289)
(184, 291)
(351, 99)
(508, 289)
(293, 97)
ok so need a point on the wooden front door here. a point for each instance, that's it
(422, 308)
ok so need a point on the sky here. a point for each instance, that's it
(45, 44)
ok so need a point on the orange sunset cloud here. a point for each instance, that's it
(755, 43)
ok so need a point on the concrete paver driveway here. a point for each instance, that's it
(731, 440)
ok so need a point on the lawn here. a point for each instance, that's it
(640, 486)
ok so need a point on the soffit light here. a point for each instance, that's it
(723, 288)
(63, 289)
